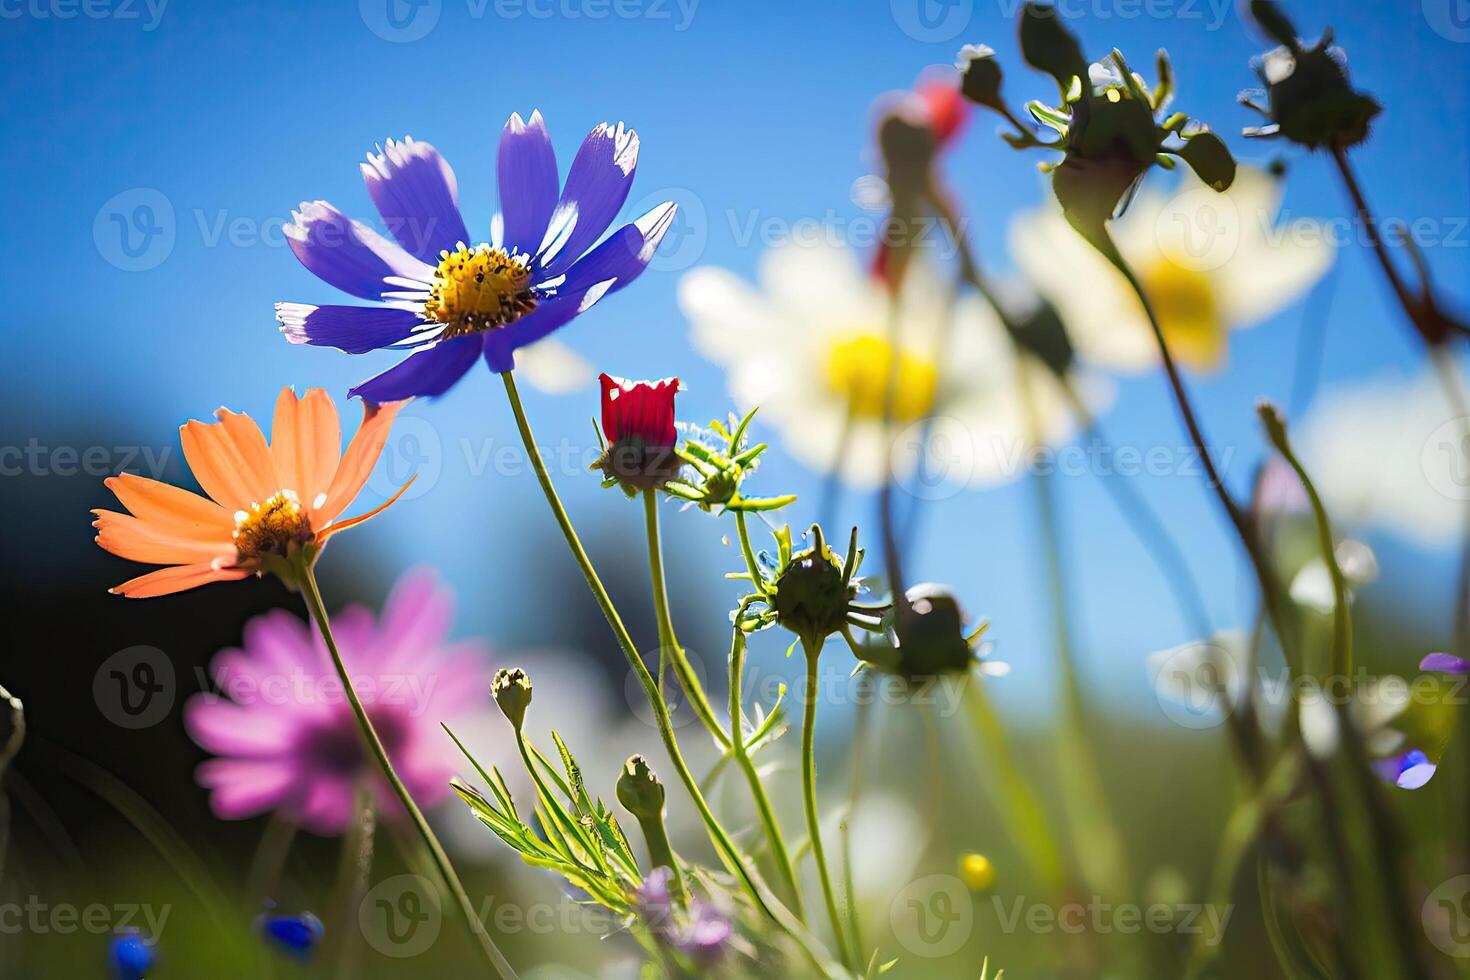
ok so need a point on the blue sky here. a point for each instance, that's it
(200, 125)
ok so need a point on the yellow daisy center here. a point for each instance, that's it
(1189, 312)
(272, 527)
(858, 369)
(478, 289)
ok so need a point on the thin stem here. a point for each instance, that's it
(1265, 575)
(745, 549)
(270, 857)
(738, 750)
(354, 873)
(668, 641)
(865, 689)
(312, 594)
(738, 863)
(809, 797)
(1380, 249)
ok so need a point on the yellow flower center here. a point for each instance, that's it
(478, 289)
(1189, 312)
(858, 370)
(271, 528)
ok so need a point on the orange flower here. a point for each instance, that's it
(271, 503)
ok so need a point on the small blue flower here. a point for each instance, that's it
(130, 956)
(297, 936)
(1411, 770)
(449, 299)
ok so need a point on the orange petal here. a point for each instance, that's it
(230, 460)
(176, 579)
(358, 462)
(306, 442)
(174, 510)
(327, 532)
(251, 454)
(139, 540)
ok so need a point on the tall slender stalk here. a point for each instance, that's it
(306, 579)
(809, 797)
(738, 863)
(732, 742)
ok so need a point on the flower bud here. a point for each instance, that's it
(981, 75)
(813, 591)
(511, 690)
(638, 421)
(639, 790)
(931, 634)
(977, 872)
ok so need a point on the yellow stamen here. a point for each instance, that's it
(271, 528)
(479, 289)
(858, 370)
(1189, 312)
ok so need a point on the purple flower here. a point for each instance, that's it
(703, 934)
(283, 733)
(1409, 770)
(449, 300)
(1445, 663)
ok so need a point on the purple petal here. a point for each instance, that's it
(354, 329)
(553, 313)
(416, 194)
(1416, 776)
(625, 253)
(1448, 663)
(526, 170)
(597, 186)
(417, 617)
(429, 372)
(348, 254)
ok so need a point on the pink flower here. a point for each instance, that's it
(283, 732)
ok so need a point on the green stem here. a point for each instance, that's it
(306, 579)
(1099, 845)
(737, 862)
(1012, 792)
(748, 552)
(738, 750)
(667, 640)
(809, 796)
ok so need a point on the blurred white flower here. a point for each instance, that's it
(1210, 262)
(1389, 453)
(553, 367)
(811, 347)
(1312, 585)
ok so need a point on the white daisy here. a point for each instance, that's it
(1210, 262)
(811, 347)
(1389, 452)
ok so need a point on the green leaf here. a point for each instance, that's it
(1208, 157)
(1048, 46)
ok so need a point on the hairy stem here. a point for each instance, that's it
(809, 797)
(309, 590)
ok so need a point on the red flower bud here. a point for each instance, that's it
(638, 421)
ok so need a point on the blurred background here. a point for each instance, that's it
(155, 152)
